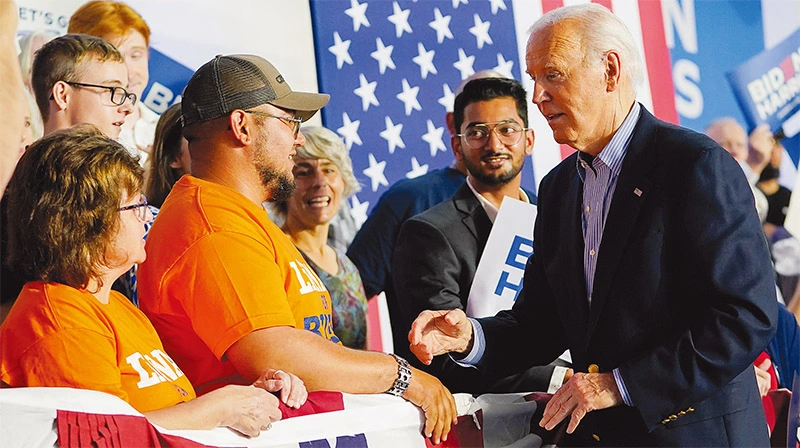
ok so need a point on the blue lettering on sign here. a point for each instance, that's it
(516, 252)
(503, 283)
(355, 441)
(521, 249)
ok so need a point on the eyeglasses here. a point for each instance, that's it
(118, 94)
(140, 208)
(508, 132)
(292, 122)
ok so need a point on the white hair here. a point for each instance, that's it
(602, 31)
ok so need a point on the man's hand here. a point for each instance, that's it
(438, 404)
(761, 143)
(583, 393)
(763, 377)
(436, 332)
(293, 391)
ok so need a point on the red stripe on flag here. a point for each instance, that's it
(374, 339)
(549, 5)
(566, 151)
(606, 3)
(659, 66)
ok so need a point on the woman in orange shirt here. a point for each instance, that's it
(76, 222)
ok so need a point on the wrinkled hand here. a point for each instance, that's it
(246, 409)
(761, 143)
(763, 377)
(436, 402)
(436, 332)
(583, 393)
(293, 391)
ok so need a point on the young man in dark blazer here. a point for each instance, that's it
(438, 251)
(637, 265)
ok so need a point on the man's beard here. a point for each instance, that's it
(280, 186)
(493, 178)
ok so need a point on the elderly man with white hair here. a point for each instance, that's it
(636, 265)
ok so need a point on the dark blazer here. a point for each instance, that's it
(684, 295)
(435, 260)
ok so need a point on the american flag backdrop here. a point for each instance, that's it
(391, 68)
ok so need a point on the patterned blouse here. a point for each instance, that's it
(349, 301)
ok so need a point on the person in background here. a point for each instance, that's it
(778, 196)
(29, 44)
(170, 156)
(323, 173)
(372, 248)
(81, 79)
(123, 27)
(11, 125)
(11, 283)
(76, 224)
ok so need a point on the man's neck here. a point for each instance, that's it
(214, 166)
(496, 193)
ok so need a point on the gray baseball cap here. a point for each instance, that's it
(242, 81)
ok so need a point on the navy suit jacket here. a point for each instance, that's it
(684, 294)
(435, 260)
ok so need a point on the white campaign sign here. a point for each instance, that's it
(498, 278)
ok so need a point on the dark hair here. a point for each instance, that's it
(62, 59)
(486, 89)
(166, 149)
(63, 205)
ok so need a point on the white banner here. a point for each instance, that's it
(498, 279)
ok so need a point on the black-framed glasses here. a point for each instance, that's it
(508, 132)
(118, 94)
(139, 208)
(292, 122)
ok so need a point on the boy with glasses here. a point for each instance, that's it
(81, 79)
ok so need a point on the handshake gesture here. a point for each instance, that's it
(437, 332)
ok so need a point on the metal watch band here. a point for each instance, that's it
(403, 377)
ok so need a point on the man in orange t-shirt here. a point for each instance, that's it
(229, 294)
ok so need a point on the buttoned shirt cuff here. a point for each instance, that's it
(478, 346)
(621, 386)
(557, 379)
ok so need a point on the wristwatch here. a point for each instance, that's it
(403, 377)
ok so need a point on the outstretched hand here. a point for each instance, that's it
(293, 391)
(436, 332)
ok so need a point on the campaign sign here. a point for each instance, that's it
(767, 87)
(167, 80)
(498, 279)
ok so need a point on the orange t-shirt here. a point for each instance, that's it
(59, 336)
(218, 269)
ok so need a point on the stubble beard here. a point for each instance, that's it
(279, 186)
(493, 178)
